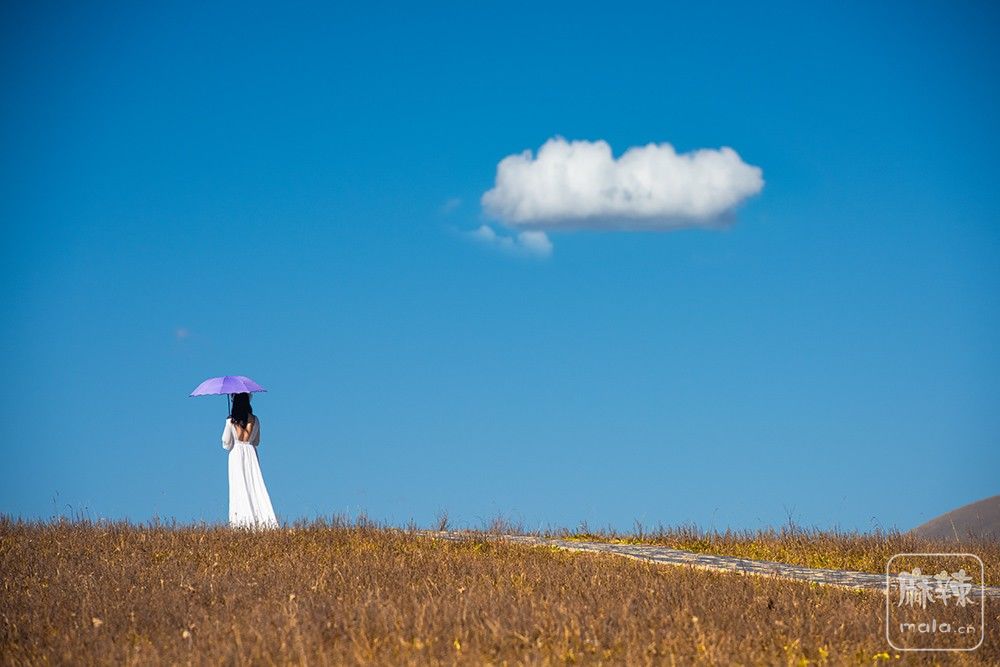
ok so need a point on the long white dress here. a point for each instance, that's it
(249, 503)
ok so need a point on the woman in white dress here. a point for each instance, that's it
(249, 503)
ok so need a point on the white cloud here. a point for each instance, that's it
(485, 233)
(535, 243)
(580, 184)
(527, 243)
(450, 205)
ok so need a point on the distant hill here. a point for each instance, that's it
(981, 519)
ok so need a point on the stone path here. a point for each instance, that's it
(668, 556)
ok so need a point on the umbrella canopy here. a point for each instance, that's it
(227, 384)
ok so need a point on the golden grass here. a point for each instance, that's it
(861, 552)
(357, 593)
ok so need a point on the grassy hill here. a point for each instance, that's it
(357, 593)
(976, 520)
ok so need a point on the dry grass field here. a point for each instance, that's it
(356, 593)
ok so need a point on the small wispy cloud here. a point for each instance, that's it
(580, 184)
(180, 333)
(450, 205)
(529, 243)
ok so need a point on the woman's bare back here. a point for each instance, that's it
(243, 435)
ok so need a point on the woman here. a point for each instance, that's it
(249, 504)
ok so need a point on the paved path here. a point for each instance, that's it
(666, 555)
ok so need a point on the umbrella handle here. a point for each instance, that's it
(229, 406)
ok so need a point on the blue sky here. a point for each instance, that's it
(286, 193)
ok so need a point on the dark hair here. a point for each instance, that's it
(241, 411)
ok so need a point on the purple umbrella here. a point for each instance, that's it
(227, 384)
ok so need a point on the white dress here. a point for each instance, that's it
(249, 504)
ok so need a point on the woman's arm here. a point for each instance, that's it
(227, 436)
(255, 439)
